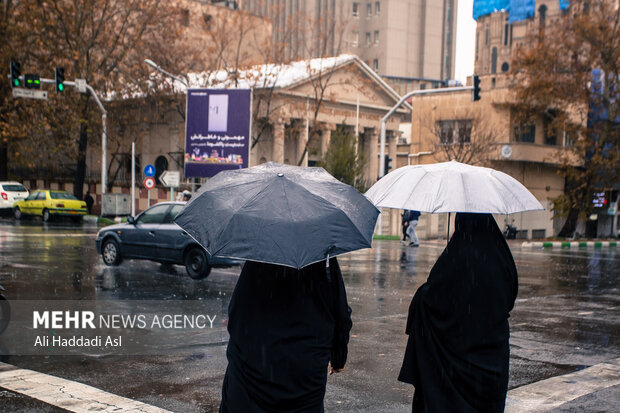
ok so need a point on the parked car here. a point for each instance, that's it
(11, 192)
(153, 236)
(49, 203)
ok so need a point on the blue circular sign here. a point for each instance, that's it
(149, 170)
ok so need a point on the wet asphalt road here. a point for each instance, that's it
(566, 317)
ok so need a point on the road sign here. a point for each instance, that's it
(149, 170)
(80, 84)
(170, 178)
(149, 182)
(19, 92)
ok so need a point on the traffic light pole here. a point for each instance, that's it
(390, 113)
(84, 87)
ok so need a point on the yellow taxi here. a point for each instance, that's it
(49, 203)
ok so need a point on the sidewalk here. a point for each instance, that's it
(594, 389)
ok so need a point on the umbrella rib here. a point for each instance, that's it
(504, 185)
(225, 227)
(414, 187)
(343, 213)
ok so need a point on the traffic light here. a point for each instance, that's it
(15, 74)
(60, 79)
(387, 164)
(32, 81)
(475, 94)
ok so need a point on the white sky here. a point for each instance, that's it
(465, 39)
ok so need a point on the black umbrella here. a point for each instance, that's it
(279, 214)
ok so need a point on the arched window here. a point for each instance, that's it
(494, 60)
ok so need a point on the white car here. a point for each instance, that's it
(11, 192)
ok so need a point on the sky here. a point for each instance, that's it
(465, 39)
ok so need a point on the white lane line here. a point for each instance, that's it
(67, 394)
(548, 394)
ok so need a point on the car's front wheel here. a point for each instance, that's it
(111, 253)
(46, 215)
(17, 213)
(196, 263)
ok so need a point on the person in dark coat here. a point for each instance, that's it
(457, 352)
(285, 326)
(89, 202)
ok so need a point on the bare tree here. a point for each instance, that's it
(468, 139)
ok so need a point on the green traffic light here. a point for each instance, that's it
(16, 82)
(61, 87)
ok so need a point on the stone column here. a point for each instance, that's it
(302, 142)
(277, 151)
(373, 155)
(325, 138)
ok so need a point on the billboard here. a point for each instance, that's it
(217, 131)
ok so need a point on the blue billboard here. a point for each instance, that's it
(217, 131)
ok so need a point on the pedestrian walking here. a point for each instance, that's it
(412, 224)
(285, 326)
(457, 354)
(89, 202)
(404, 222)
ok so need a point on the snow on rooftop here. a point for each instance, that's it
(266, 75)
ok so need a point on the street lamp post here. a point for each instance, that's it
(384, 123)
(159, 69)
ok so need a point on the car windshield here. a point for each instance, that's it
(62, 195)
(14, 188)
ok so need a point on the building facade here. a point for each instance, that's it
(403, 40)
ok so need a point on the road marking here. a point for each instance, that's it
(67, 394)
(548, 394)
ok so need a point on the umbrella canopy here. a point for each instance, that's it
(452, 187)
(279, 214)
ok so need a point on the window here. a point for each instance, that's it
(542, 14)
(355, 39)
(369, 10)
(507, 32)
(62, 195)
(14, 188)
(174, 211)
(494, 60)
(551, 135)
(525, 133)
(378, 8)
(154, 215)
(32, 196)
(486, 36)
(375, 65)
(41, 196)
(376, 36)
(356, 9)
(477, 44)
(185, 17)
(367, 38)
(454, 131)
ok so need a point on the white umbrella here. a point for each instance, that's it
(452, 187)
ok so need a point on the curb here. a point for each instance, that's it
(569, 244)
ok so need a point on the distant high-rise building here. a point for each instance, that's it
(410, 43)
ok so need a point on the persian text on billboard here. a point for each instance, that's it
(217, 131)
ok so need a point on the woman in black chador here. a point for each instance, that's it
(285, 326)
(457, 355)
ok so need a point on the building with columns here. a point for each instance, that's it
(291, 124)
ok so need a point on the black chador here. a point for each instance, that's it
(457, 353)
(285, 326)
